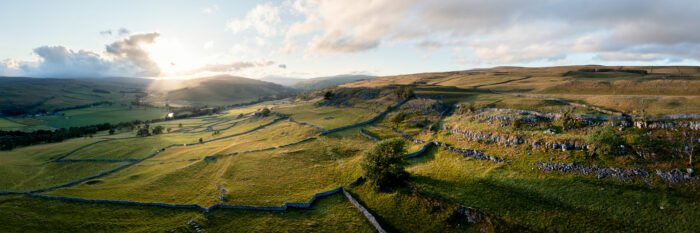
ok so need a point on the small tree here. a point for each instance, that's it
(158, 130)
(566, 119)
(111, 131)
(603, 141)
(398, 118)
(328, 95)
(383, 165)
(692, 145)
(200, 140)
(404, 92)
(143, 132)
(179, 125)
(169, 129)
(265, 111)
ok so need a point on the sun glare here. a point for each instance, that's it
(172, 56)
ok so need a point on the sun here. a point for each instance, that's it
(172, 56)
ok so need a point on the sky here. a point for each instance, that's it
(313, 38)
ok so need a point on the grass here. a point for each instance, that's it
(5, 123)
(27, 214)
(262, 178)
(326, 117)
(515, 196)
(541, 201)
(103, 114)
(27, 168)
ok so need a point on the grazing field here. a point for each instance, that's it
(5, 123)
(330, 214)
(103, 114)
(505, 153)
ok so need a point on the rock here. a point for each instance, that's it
(466, 215)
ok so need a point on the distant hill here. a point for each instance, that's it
(323, 82)
(20, 95)
(285, 81)
(215, 91)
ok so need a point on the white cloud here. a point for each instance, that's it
(263, 19)
(504, 31)
(124, 57)
(210, 9)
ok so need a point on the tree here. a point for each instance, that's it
(265, 111)
(169, 129)
(111, 131)
(383, 165)
(200, 140)
(143, 132)
(404, 92)
(566, 119)
(692, 145)
(328, 95)
(158, 130)
(603, 141)
(398, 118)
(179, 125)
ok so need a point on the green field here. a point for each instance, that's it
(103, 114)
(513, 195)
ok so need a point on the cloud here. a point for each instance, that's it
(229, 67)
(106, 33)
(128, 51)
(210, 9)
(263, 19)
(124, 57)
(283, 66)
(123, 31)
(504, 31)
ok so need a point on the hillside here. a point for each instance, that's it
(31, 95)
(323, 82)
(218, 90)
(661, 90)
(284, 81)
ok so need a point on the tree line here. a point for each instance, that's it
(13, 139)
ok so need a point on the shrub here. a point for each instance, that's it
(398, 118)
(158, 130)
(603, 141)
(143, 132)
(383, 165)
(265, 112)
(111, 131)
(328, 95)
(404, 92)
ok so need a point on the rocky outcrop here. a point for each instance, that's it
(675, 176)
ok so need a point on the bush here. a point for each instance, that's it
(265, 112)
(328, 95)
(143, 132)
(404, 92)
(603, 141)
(398, 118)
(649, 148)
(384, 164)
(158, 130)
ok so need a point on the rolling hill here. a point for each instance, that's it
(323, 82)
(215, 90)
